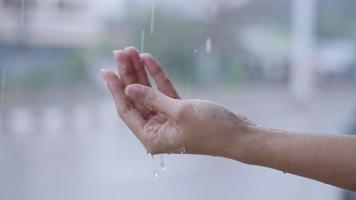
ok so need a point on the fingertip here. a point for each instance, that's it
(115, 52)
(147, 59)
(150, 63)
(131, 49)
(106, 73)
(110, 77)
(132, 53)
(134, 91)
(118, 54)
(146, 55)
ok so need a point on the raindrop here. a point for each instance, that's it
(152, 17)
(150, 155)
(163, 164)
(142, 40)
(208, 45)
(196, 51)
(156, 174)
(155, 168)
(3, 76)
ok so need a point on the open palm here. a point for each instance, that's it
(155, 130)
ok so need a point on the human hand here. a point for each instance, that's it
(166, 124)
(163, 122)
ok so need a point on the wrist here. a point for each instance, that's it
(263, 146)
(238, 140)
(249, 144)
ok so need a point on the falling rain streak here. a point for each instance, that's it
(3, 76)
(152, 29)
(208, 45)
(142, 46)
(22, 14)
(163, 164)
(156, 169)
(152, 17)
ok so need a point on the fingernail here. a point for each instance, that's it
(104, 74)
(115, 52)
(126, 48)
(144, 54)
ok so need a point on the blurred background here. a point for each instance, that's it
(286, 64)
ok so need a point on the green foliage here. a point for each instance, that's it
(73, 70)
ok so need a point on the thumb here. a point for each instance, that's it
(153, 99)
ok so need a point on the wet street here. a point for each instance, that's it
(86, 152)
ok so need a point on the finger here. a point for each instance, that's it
(117, 87)
(141, 73)
(125, 108)
(162, 80)
(128, 74)
(125, 67)
(153, 100)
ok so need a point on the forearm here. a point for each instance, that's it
(330, 159)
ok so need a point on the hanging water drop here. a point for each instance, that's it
(142, 40)
(155, 168)
(208, 45)
(150, 155)
(182, 150)
(156, 174)
(163, 167)
(152, 17)
(163, 164)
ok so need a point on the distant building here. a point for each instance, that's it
(51, 22)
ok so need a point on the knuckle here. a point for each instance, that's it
(183, 111)
(149, 100)
(165, 80)
(127, 69)
(157, 72)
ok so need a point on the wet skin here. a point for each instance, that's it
(164, 123)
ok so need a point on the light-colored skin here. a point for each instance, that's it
(166, 124)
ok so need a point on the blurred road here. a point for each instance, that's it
(103, 160)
